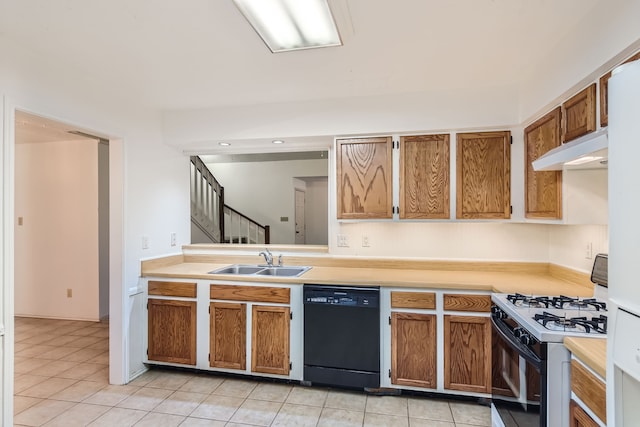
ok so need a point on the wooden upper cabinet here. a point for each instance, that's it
(364, 178)
(424, 177)
(604, 93)
(543, 190)
(483, 179)
(580, 114)
(578, 417)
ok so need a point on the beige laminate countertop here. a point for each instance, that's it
(591, 351)
(501, 281)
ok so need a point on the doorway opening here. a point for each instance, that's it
(62, 221)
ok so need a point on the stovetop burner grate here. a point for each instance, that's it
(596, 324)
(561, 302)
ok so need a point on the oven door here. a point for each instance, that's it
(518, 375)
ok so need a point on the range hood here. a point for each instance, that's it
(588, 151)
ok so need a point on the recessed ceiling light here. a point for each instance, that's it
(291, 24)
(277, 141)
(224, 144)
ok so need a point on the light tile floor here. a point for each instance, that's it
(61, 379)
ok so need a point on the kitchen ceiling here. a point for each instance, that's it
(170, 55)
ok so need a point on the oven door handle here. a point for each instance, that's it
(510, 339)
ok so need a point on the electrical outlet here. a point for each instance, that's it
(69, 293)
(20, 221)
(365, 241)
(588, 251)
(145, 242)
(343, 241)
(173, 239)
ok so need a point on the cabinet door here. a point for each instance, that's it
(543, 190)
(424, 177)
(580, 114)
(483, 183)
(579, 418)
(172, 331)
(467, 353)
(228, 330)
(270, 339)
(364, 178)
(604, 93)
(413, 349)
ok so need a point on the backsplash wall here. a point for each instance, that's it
(568, 245)
(533, 242)
(446, 240)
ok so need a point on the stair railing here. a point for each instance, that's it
(218, 221)
(207, 201)
(239, 228)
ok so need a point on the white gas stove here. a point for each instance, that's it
(551, 318)
(530, 380)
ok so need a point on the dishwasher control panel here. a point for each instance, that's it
(353, 297)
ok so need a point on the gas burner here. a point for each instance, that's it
(563, 322)
(520, 300)
(569, 303)
(597, 324)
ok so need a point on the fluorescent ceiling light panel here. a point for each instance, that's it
(291, 24)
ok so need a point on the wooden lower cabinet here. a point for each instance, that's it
(172, 331)
(467, 353)
(413, 349)
(579, 418)
(228, 334)
(270, 339)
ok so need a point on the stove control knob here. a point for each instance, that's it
(525, 338)
(523, 335)
(498, 312)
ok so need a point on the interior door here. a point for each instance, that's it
(300, 237)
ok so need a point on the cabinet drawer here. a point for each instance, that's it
(425, 300)
(173, 289)
(589, 389)
(460, 302)
(251, 293)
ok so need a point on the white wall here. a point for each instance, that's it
(316, 211)
(264, 191)
(568, 244)
(410, 112)
(150, 193)
(56, 247)
(446, 240)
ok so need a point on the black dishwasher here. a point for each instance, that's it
(342, 336)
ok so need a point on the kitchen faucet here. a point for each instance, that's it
(268, 257)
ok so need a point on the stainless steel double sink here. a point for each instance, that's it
(261, 270)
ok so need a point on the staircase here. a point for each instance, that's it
(220, 223)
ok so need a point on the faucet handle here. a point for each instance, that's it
(280, 260)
